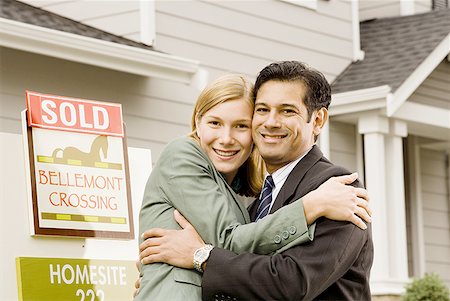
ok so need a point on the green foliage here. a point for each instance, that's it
(428, 288)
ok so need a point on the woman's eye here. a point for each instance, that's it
(214, 123)
(242, 126)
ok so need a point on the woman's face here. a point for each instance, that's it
(226, 136)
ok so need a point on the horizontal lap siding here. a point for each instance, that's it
(343, 145)
(155, 111)
(240, 36)
(435, 90)
(436, 215)
(117, 17)
(370, 9)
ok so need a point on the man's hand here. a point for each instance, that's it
(337, 200)
(175, 247)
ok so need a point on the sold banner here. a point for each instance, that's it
(78, 167)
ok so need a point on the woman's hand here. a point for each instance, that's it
(337, 200)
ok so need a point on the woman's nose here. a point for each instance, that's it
(226, 136)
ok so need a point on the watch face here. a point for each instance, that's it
(202, 255)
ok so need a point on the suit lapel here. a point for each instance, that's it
(295, 177)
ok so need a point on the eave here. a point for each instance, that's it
(95, 52)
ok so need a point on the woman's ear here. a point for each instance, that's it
(197, 123)
(319, 121)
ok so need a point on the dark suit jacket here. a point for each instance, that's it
(334, 266)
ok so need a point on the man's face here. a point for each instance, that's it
(280, 128)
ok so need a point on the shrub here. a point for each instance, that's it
(428, 288)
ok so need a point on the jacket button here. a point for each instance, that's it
(277, 239)
(285, 234)
(292, 230)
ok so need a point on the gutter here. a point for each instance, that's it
(96, 52)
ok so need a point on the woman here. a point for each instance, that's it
(199, 176)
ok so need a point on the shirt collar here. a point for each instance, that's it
(280, 175)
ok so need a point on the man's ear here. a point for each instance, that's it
(319, 121)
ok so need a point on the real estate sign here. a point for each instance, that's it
(49, 279)
(78, 168)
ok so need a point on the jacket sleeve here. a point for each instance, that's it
(192, 188)
(300, 273)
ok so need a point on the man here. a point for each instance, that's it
(291, 102)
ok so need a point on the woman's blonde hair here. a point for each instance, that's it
(249, 179)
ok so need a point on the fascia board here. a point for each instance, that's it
(416, 78)
(95, 52)
(359, 100)
(424, 114)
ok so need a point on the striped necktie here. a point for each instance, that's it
(265, 198)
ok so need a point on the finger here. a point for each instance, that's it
(137, 283)
(363, 214)
(358, 222)
(138, 265)
(149, 251)
(347, 179)
(362, 193)
(181, 220)
(365, 205)
(154, 232)
(151, 259)
(135, 293)
(150, 242)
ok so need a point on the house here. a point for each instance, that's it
(390, 115)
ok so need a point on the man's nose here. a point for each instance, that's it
(273, 120)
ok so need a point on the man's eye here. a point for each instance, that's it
(261, 110)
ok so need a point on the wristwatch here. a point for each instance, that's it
(201, 255)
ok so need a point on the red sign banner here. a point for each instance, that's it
(75, 115)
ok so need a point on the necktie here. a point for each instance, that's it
(265, 198)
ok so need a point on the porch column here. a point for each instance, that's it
(374, 128)
(395, 197)
(384, 175)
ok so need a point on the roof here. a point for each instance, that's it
(21, 12)
(394, 48)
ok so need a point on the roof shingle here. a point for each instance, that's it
(393, 48)
(21, 12)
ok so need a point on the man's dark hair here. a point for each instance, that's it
(318, 90)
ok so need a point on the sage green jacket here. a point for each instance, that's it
(185, 179)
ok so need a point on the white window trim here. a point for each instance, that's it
(311, 4)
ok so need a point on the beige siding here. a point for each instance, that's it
(370, 9)
(435, 90)
(436, 212)
(343, 145)
(118, 17)
(422, 6)
(155, 111)
(239, 36)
